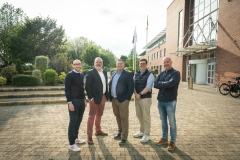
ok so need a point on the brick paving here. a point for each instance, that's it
(208, 128)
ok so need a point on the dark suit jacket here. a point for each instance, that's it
(124, 88)
(94, 86)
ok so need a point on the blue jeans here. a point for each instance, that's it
(75, 119)
(167, 110)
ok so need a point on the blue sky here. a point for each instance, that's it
(109, 23)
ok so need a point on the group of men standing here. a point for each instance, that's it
(119, 91)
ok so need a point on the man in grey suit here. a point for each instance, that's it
(97, 91)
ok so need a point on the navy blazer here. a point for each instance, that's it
(94, 86)
(124, 88)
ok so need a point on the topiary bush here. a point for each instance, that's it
(61, 77)
(37, 73)
(8, 72)
(19, 66)
(25, 80)
(50, 77)
(41, 63)
(3, 81)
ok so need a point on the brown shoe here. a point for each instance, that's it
(171, 146)
(161, 141)
(90, 141)
(100, 133)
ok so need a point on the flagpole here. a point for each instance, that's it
(147, 35)
(135, 50)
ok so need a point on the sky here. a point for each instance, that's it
(108, 23)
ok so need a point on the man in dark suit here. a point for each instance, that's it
(121, 88)
(97, 91)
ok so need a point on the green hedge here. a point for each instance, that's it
(50, 77)
(25, 80)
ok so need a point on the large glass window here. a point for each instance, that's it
(203, 17)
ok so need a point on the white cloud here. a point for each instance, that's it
(109, 23)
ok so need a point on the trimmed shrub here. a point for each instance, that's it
(61, 77)
(3, 81)
(25, 80)
(8, 72)
(50, 77)
(41, 63)
(37, 73)
(19, 66)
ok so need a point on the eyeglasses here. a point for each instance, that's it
(143, 63)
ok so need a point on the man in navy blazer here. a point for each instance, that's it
(121, 88)
(97, 91)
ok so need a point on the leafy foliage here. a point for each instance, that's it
(61, 77)
(37, 73)
(19, 67)
(3, 81)
(60, 63)
(41, 63)
(90, 54)
(10, 17)
(50, 77)
(38, 36)
(25, 80)
(8, 72)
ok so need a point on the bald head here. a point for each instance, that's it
(167, 63)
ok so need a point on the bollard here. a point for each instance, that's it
(190, 83)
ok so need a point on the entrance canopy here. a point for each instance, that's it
(197, 48)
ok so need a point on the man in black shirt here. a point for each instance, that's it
(74, 91)
(167, 82)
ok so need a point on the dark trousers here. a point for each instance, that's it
(75, 119)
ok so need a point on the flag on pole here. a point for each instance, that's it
(134, 36)
(147, 23)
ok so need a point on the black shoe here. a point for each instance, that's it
(117, 136)
(123, 141)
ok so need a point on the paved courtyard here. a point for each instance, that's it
(208, 128)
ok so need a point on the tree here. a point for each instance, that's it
(77, 46)
(38, 36)
(125, 58)
(60, 63)
(105, 60)
(10, 17)
(90, 54)
(130, 60)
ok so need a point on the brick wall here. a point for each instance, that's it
(158, 60)
(172, 35)
(228, 51)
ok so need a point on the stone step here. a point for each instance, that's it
(35, 88)
(23, 94)
(32, 100)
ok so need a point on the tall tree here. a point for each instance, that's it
(105, 60)
(38, 36)
(77, 46)
(10, 17)
(90, 54)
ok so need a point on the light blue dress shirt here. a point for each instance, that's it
(114, 83)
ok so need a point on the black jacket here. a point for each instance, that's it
(94, 86)
(167, 83)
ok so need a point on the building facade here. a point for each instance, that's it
(155, 50)
(203, 39)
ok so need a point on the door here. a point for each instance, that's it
(211, 73)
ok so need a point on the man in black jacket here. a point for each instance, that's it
(97, 92)
(74, 91)
(121, 88)
(167, 82)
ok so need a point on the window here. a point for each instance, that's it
(160, 54)
(164, 52)
(180, 30)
